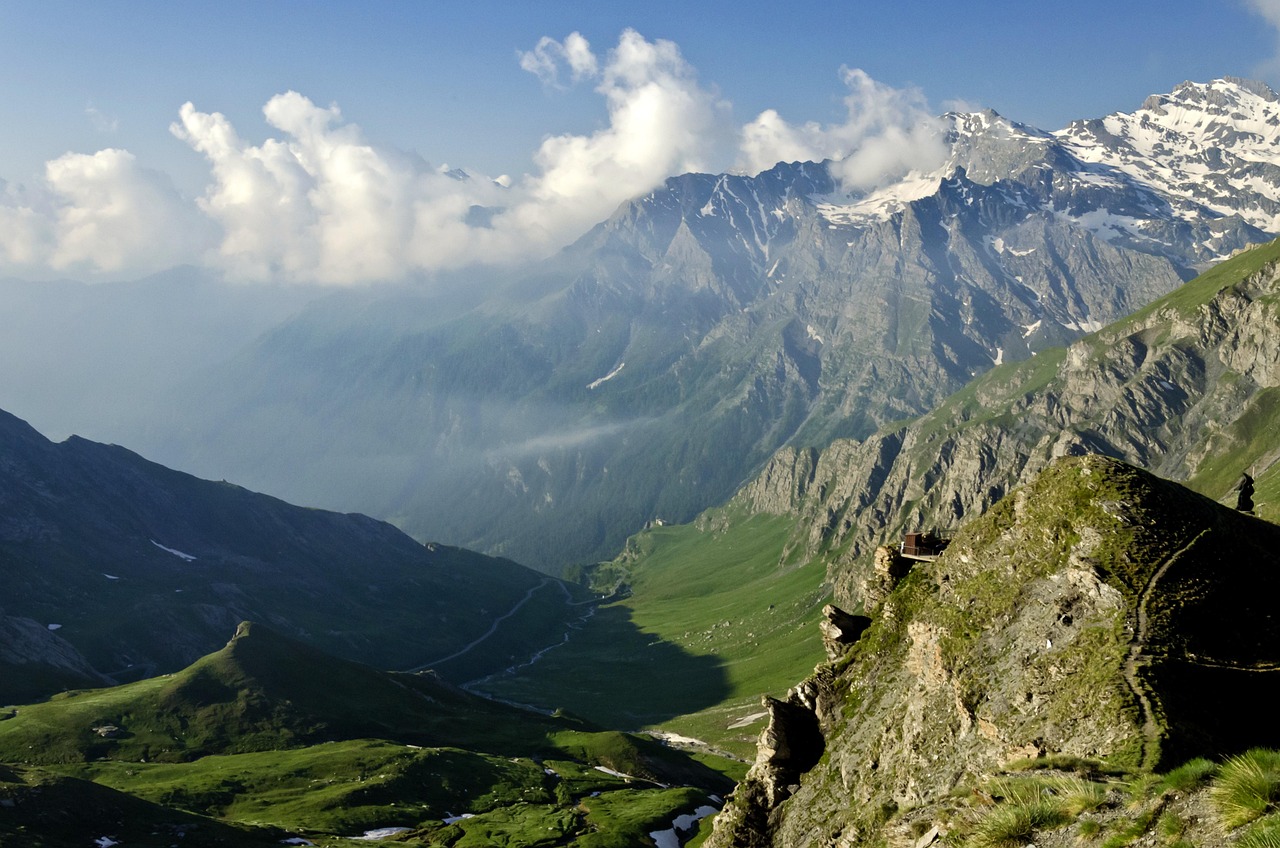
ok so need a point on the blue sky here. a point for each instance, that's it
(443, 82)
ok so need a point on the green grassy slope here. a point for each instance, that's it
(714, 619)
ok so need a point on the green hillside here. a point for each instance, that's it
(270, 732)
(1098, 618)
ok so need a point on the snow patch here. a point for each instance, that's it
(55, 626)
(1028, 329)
(999, 357)
(613, 773)
(879, 204)
(682, 824)
(105, 842)
(1089, 326)
(110, 576)
(454, 819)
(177, 553)
(296, 840)
(675, 738)
(746, 720)
(813, 334)
(380, 833)
(607, 377)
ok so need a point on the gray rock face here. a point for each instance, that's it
(24, 642)
(1173, 389)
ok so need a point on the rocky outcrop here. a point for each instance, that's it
(840, 630)
(1074, 618)
(790, 745)
(887, 569)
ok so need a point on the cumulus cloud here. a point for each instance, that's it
(99, 213)
(318, 202)
(887, 132)
(661, 122)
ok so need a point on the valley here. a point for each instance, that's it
(684, 449)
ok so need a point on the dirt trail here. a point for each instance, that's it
(1150, 731)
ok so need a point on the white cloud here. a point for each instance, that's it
(317, 202)
(545, 58)
(661, 122)
(1269, 10)
(887, 132)
(96, 214)
(101, 121)
(322, 204)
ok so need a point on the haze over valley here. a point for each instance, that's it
(554, 453)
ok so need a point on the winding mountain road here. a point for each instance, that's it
(493, 628)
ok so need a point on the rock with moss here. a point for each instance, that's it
(1094, 614)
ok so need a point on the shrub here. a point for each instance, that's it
(1247, 787)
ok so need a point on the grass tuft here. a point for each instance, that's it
(1014, 825)
(1089, 828)
(1264, 833)
(1190, 775)
(1247, 787)
(1075, 795)
(1170, 827)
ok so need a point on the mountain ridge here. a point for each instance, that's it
(130, 568)
(1175, 388)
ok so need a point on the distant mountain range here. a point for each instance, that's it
(655, 365)
(113, 568)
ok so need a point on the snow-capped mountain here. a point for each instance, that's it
(651, 367)
(1203, 156)
(1206, 148)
